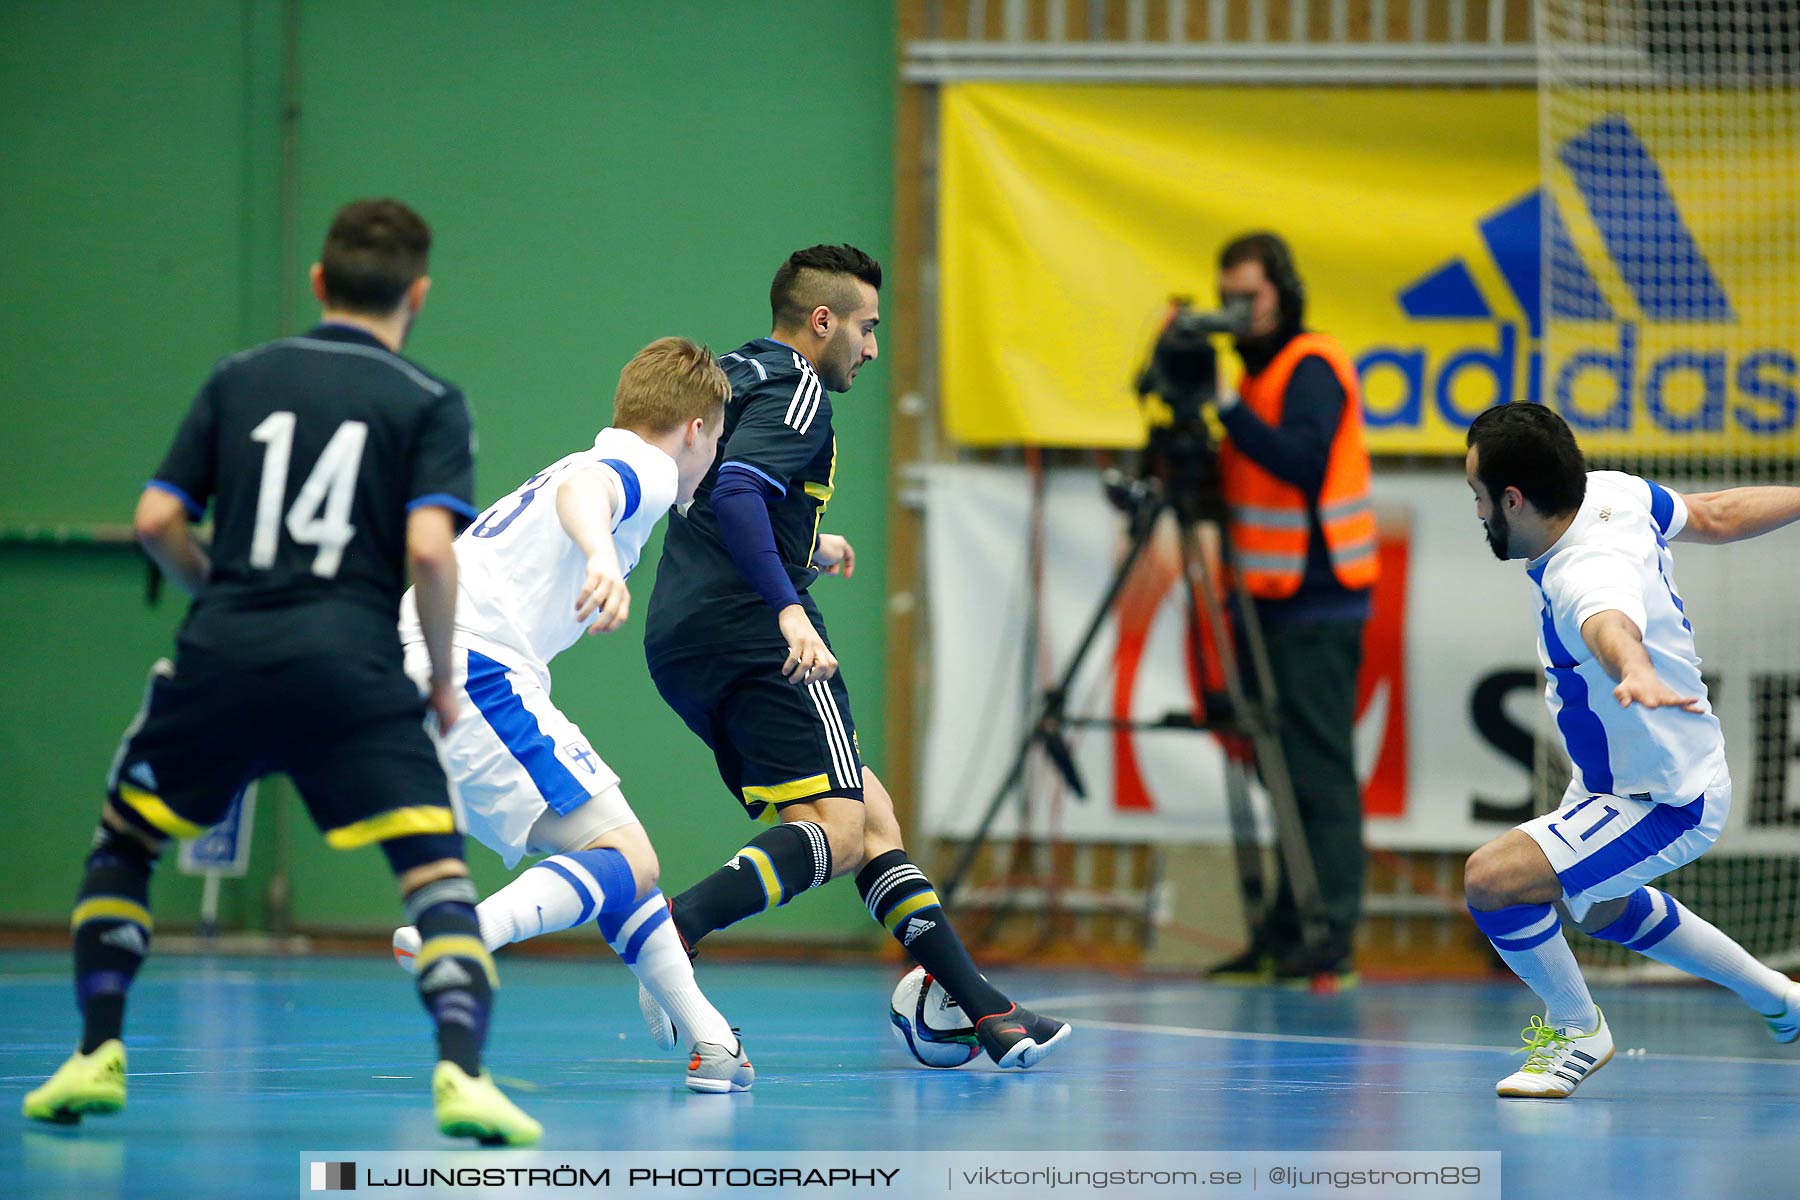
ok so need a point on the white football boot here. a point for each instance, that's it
(1784, 1027)
(720, 1069)
(1556, 1063)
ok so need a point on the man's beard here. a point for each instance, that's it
(1498, 534)
(1259, 350)
(835, 374)
(1254, 343)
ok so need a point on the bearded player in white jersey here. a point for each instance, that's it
(1650, 790)
(541, 567)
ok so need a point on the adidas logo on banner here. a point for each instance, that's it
(129, 938)
(916, 927)
(1692, 389)
(444, 973)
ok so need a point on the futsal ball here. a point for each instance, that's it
(930, 1024)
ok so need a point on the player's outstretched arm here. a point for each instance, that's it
(585, 503)
(1738, 513)
(1619, 645)
(431, 562)
(162, 527)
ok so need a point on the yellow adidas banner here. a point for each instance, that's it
(1069, 215)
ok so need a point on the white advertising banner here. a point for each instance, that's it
(1448, 707)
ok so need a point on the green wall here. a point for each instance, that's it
(596, 175)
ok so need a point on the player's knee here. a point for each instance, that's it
(881, 828)
(645, 869)
(413, 879)
(846, 838)
(122, 823)
(842, 818)
(843, 824)
(881, 833)
(1486, 885)
(633, 844)
(848, 860)
(423, 858)
(1509, 870)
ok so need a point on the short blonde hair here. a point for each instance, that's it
(667, 384)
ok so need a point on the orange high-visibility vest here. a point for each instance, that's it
(1269, 520)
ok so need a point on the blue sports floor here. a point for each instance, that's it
(242, 1063)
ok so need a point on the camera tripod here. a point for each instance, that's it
(1180, 479)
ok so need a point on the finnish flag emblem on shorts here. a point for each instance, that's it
(334, 1177)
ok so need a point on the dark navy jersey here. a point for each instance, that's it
(313, 450)
(777, 427)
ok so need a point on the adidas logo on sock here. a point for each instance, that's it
(916, 927)
(444, 973)
(129, 938)
(143, 776)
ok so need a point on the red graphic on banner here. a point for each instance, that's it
(1156, 581)
(1384, 673)
(1381, 685)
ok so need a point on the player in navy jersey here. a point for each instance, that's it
(335, 466)
(739, 649)
(1650, 789)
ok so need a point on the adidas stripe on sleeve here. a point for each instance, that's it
(785, 426)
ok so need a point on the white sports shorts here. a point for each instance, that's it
(1605, 847)
(529, 781)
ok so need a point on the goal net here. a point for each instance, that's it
(1670, 144)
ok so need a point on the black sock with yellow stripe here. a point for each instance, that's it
(111, 927)
(454, 972)
(902, 899)
(772, 868)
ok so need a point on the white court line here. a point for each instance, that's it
(1231, 1035)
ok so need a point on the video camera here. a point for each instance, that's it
(1180, 463)
(1184, 367)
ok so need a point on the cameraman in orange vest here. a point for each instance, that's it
(1295, 474)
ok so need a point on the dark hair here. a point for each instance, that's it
(817, 275)
(373, 252)
(1529, 447)
(1278, 265)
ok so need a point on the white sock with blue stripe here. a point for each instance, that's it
(1658, 926)
(566, 890)
(1529, 939)
(561, 892)
(644, 938)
